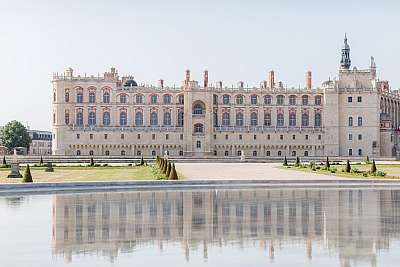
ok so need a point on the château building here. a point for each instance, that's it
(355, 114)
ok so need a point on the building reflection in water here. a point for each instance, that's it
(353, 224)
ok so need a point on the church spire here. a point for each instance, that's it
(345, 62)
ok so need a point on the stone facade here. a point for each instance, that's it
(353, 115)
(41, 143)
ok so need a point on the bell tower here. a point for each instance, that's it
(345, 62)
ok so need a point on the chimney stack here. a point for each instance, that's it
(308, 80)
(187, 80)
(220, 84)
(241, 84)
(271, 79)
(205, 78)
(161, 83)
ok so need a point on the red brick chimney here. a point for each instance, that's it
(271, 79)
(308, 80)
(187, 80)
(205, 78)
(161, 83)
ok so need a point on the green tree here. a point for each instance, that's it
(168, 169)
(91, 162)
(373, 167)
(164, 169)
(327, 164)
(297, 164)
(285, 162)
(4, 161)
(14, 134)
(173, 175)
(348, 167)
(41, 160)
(27, 178)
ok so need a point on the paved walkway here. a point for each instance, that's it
(197, 171)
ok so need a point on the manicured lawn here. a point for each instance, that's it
(82, 174)
(391, 170)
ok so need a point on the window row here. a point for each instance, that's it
(280, 100)
(280, 119)
(359, 121)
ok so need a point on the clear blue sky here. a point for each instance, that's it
(234, 40)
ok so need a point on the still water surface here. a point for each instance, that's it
(254, 227)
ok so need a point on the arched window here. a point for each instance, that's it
(253, 119)
(139, 99)
(106, 97)
(92, 97)
(226, 153)
(139, 118)
(198, 128)
(304, 100)
(350, 121)
(267, 119)
(167, 99)
(153, 99)
(318, 100)
(91, 153)
(226, 119)
(280, 120)
(292, 100)
(254, 153)
(304, 120)
(92, 118)
(280, 99)
(198, 109)
(226, 99)
(317, 120)
(267, 100)
(153, 119)
(239, 100)
(167, 118)
(79, 97)
(66, 115)
(253, 100)
(292, 119)
(239, 119)
(122, 152)
(107, 153)
(181, 99)
(180, 118)
(79, 118)
(78, 152)
(215, 119)
(360, 152)
(215, 99)
(122, 118)
(359, 121)
(106, 118)
(66, 97)
(122, 99)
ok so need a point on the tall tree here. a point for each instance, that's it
(14, 134)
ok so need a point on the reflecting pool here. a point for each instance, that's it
(252, 227)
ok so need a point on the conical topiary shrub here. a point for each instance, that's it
(367, 160)
(373, 167)
(297, 164)
(164, 169)
(141, 161)
(27, 178)
(348, 167)
(327, 164)
(173, 175)
(41, 160)
(169, 166)
(91, 162)
(285, 162)
(4, 161)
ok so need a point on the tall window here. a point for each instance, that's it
(198, 109)
(180, 118)
(153, 99)
(139, 99)
(106, 97)
(239, 119)
(181, 99)
(66, 97)
(267, 100)
(167, 118)
(350, 121)
(239, 99)
(106, 118)
(292, 119)
(304, 100)
(139, 118)
(280, 120)
(215, 99)
(122, 99)
(317, 122)
(198, 128)
(153, 119)
(253, 119)
(167, 99)
(280, 99)
(253, 100)
(215, 119)
(122, 118)
(92, 97)
(79, 118)
(318, 100)
(79, 97)
(292, 100)
(66, 117)
(359, 121)
(304, 120)
(226, 99)
(267, 119)
(226, 119)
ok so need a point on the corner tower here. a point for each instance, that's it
(345, 62)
